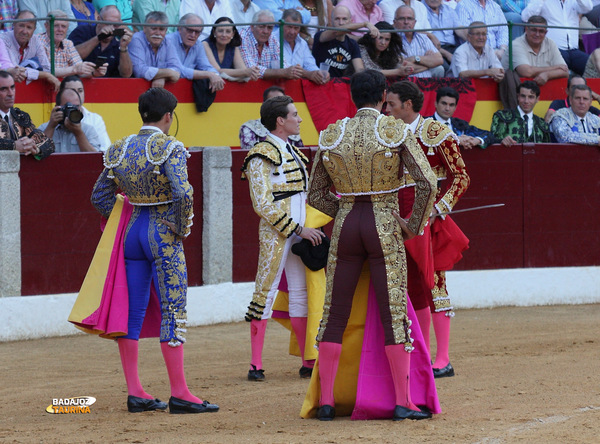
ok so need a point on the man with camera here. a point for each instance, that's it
(65, 128)
(105, 43)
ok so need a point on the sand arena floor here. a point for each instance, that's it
(527, 375)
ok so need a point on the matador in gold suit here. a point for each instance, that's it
(363, 158)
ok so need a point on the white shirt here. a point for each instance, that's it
(301, 55)
(529, 119)
(415, 123)
(98, 123)
(466, 58)
(559, 14)
(238, 14)
(221, 8)
(389, 11)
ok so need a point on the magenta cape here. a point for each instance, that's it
(102, 305)
(363, 387)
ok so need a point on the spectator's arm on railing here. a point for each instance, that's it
(541, 75)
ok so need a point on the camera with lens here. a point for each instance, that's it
(72, 112)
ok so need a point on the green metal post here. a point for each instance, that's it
(52, 68)
(510, 54)
(281, 22)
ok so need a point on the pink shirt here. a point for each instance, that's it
(360, 15)
(5, 62)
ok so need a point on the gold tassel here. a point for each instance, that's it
(111, 174)
(156, 169)
(431, 151)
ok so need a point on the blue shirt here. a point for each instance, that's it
(195, 58)
(300, 56)
(146, 62)
(447, 18)
(470, 11)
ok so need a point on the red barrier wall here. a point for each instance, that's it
(60, 229)
(549, 219)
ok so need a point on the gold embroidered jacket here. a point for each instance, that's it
(365, 156)
(443, 154)
(272, 174)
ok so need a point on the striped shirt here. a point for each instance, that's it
(65, 54)
(253, 57)
(419, 45)
(470, 11)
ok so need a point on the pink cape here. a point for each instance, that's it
(102, 306)
(375, 390)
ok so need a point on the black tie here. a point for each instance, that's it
(526, 120)
(583, 125)
(10, 130)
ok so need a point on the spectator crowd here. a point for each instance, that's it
(165, 40)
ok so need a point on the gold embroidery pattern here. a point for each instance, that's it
(271, 246)
(392, 245)
(330, 136)
(441, 300)
(415, 160)
(258, 173)
(456, 171)
(344, 208)
(391, 131)
(320, 196)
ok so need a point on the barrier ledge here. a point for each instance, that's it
(37, 317)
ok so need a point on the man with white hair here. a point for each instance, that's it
(208, 10)
(67, 60)
(261, 48)
(191, 54)
(152, 56)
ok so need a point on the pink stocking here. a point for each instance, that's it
(257, 341)
(128, 349)
(424, 318)
(329, 358)
(299, 326)
(441, 326)
(399, 360)
(174, 361)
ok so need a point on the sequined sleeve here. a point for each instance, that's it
(258, 172)
(103, 194)
(182, 192)
(319, 189)
(425, 183)
(457, 179)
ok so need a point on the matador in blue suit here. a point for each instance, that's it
(150, 169)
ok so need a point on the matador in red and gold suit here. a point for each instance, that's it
(441, 246)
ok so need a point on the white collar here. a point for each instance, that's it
(441, 119)
(282, 143)
(522, 113)
(150, 127)
(415, 123)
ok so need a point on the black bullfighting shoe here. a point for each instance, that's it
(443, 372)
(401, 413)
(177, 405)
(305, 372)
(136, 405)
(326, 413)
(256, 375)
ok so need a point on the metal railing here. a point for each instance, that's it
(280, 24)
